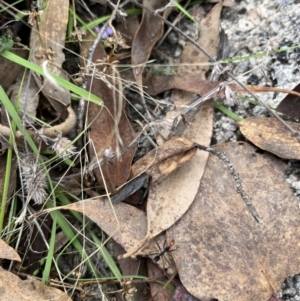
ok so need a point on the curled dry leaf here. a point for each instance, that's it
(270, 135)
(222, 252)
(62, 128)
(14, 288)
(163, 160)
(47, 41)
(7, 252)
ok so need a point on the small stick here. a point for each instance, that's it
(236, 178)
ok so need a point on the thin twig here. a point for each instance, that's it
(236, 177)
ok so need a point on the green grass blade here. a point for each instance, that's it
(227, 112)
(16, 119)
(62, 82)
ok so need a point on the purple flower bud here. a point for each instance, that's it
(104, 35)
(109, 30)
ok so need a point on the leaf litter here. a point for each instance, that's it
(221, 246)
(212, 225)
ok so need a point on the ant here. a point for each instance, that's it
(162, 252)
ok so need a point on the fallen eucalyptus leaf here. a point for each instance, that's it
(7, 252)
(269, 134)
(163, 160)
(222, 252)
(14, 288)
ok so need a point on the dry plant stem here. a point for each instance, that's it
(52, 132)
(74, 18)
(236, 178)
(270, 89)
(82, 102)
(294, 133)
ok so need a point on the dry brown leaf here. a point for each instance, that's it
(148, 33)
(221, 251)
(126, 224)
(269, 134)
(13, 288)
(169, 199)
(47, 41)
(195, 77)
(7, 252)
(208, 40)
(155, 84)
(128, 29)
(110, 126)
(163, 160)
(290, 105)
(209, 37)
